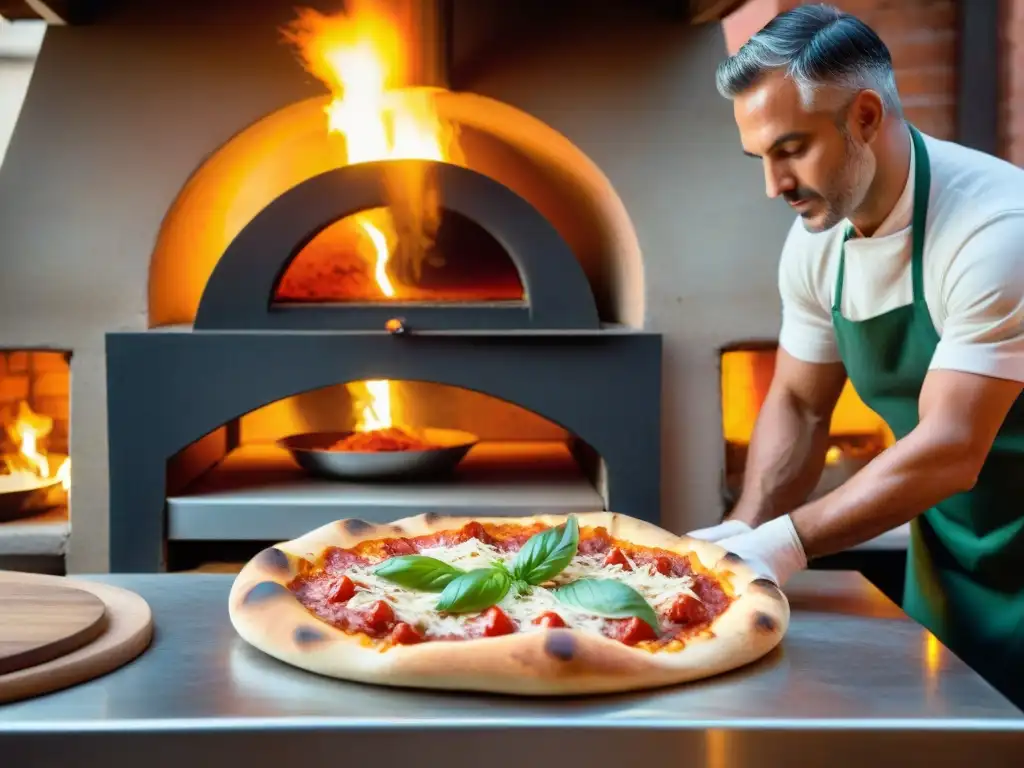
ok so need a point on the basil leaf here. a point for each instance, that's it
(545, 554)
(418, 572)
(607, 598)
(475, 591)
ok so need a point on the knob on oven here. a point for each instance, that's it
(395, 326)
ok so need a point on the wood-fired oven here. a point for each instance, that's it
(389, 267)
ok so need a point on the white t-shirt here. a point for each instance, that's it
(973, 268)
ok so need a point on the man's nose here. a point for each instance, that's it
(777, 180)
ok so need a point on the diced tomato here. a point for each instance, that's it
(549, 620)
(379, 617)
(663, 565)
(687, 609)
(341, 591)
(616, 557)
(497, 622)
(403, 634)
(634, 630)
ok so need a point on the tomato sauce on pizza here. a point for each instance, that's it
(389, 590)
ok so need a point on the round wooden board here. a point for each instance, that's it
(126, 632)
(40, 622)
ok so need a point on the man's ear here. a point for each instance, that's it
(866, 115)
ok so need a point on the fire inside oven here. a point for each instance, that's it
(392, 314)
(35, 469)
(856, 435)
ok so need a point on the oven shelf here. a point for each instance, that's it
(258, 493)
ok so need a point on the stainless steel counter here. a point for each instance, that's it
(854, 681)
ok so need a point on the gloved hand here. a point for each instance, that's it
(773, 549)
(721, 531)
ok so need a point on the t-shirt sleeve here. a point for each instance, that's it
(807, 332)
(983, 303)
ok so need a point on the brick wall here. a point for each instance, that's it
(1012, 107)
(920, 34)
(43, 379)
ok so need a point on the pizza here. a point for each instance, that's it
(546, 605)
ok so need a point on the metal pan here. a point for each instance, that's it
(310, 451)
(26, 501)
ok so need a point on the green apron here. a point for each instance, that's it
(965, 564)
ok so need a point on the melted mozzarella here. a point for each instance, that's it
(417, 608)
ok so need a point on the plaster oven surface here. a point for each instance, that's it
(107, 109)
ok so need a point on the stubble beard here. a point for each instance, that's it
(847, 194)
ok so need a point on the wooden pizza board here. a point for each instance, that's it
(56, 632)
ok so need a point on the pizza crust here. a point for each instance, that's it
(553, 662)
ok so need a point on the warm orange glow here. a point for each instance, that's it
(932, 654)
(746, 375)
(30, 466)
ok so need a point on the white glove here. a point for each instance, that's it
(773, 549)
(721, 531)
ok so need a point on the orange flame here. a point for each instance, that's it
(359, 57)
(31, 464)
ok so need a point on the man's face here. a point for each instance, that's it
(812, 156)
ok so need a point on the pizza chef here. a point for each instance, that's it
(904, 272)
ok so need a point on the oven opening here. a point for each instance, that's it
(363, 258)
(857, 434)
(378, 450)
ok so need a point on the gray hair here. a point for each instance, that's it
(816, 45)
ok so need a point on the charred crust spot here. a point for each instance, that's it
(397, 529)
(304, 636)
(732, 558)
(431, 517)
(355, 526)
(767, 585)
(560, 644)
(264, 592)
(273, 559)
(765, 623)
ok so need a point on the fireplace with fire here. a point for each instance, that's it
(376, 304)
(35, 470)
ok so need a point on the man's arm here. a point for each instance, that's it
(976, 375)
(790, 439)
(961, 413)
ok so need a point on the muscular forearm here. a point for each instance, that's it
(784, 463)
(916, 473)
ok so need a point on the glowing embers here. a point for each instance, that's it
(857, 434)
(354, 260)
(35, 471)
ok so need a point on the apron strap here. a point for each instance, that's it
(922, 188)
(837, 300)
